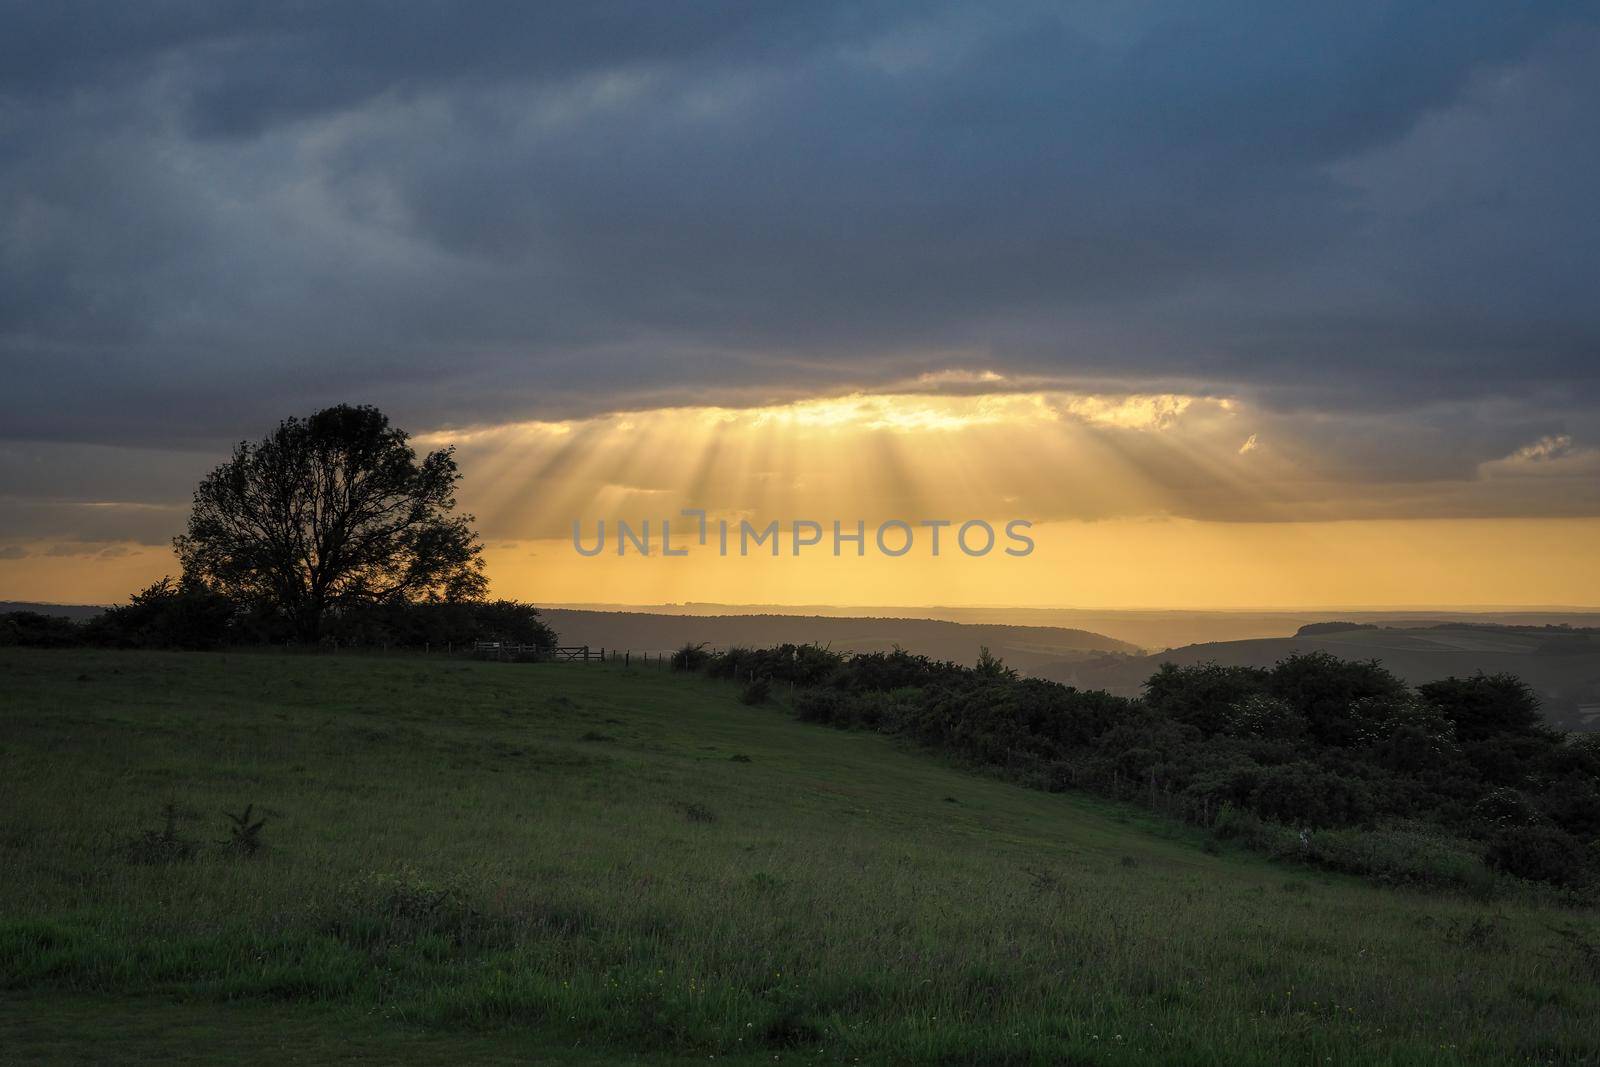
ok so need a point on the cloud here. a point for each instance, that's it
(1550, 446)
(1370, 223)
(1561, 465)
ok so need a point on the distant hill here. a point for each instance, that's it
(1151, 629)
(1027, 648)
(1561, 663)
(67, 611)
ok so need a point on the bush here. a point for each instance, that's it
(1504, 809)
(756, 692)
(187, 614)
(992, 666)
(1406, 854)
(1259, 715)
(439, 624)
(1204, 695)
(1538, 853)
(1572, 802)
(162, 846)
(1303, 794)
(690, 658)
(167, 614)
(1485, 707)
(32, 629)
(800, 665)
(1328, 691)
(244, 832)
(821, 706)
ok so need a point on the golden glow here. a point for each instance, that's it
(1131, 563)
(1135, 563)
(1139, 500)
(869, 456)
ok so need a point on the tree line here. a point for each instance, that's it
(172, 615)
(328, 530)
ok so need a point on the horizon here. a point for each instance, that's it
(774, 608)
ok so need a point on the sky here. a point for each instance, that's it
(1242, 304)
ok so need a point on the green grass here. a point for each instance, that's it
(479, 861)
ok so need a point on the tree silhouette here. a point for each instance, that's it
(330, 511)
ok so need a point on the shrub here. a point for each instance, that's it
(165, 845)
(690, 658)
(33, 629)
(801, 665)
(244, 833)
(1303, 794)
(439, 624)
(1404, 854)
(1203, 695)
(1538, 853)
(826, 706)
(1259, 715)
(1484, 707)
(1573, 803)
(1503, 809)
(1327, 691)
(166, 614)
(991, 666)
(756, 692)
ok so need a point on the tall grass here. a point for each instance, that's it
(443, 849)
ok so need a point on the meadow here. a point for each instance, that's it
(465, 861)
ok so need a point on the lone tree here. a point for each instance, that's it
(328, 512)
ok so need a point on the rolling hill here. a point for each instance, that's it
(1152, 629)
(569, 863)
(1024, 647)
(76, 612)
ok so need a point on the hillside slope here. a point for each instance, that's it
(567, 861)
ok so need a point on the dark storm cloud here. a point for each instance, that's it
(215, 214)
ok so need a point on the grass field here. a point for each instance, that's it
(566, 863)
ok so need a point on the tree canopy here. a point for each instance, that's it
(331, 511)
